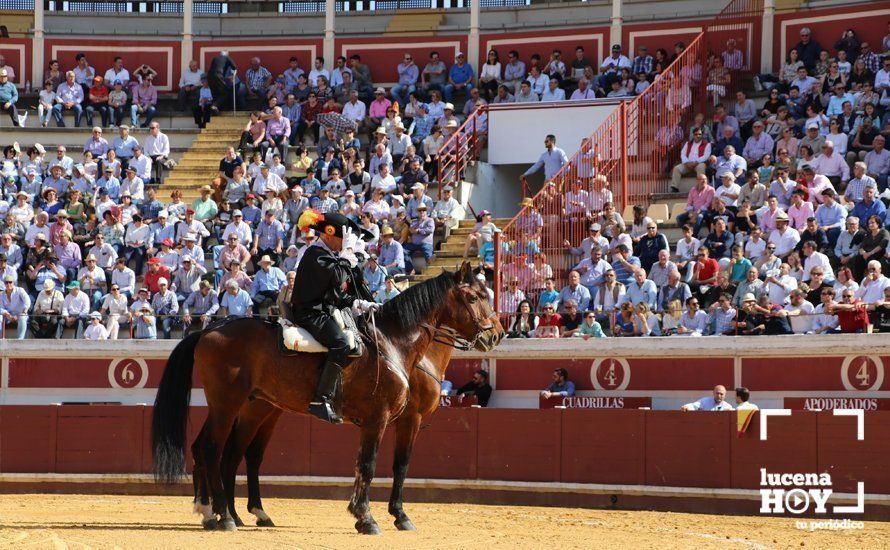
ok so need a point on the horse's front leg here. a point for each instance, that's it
(359, 505)
(407, 427)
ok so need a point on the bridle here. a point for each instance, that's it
(451, 337)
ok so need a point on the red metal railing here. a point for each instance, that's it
(460, 149)
(630, 154)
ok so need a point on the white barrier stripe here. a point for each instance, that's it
(447, 484)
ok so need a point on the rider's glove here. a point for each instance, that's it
(364, 306)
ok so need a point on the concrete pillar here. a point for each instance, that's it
(615, 29)
(473, 57)
(187, 35)
(328, 47)
(766, 41)
(37, 53)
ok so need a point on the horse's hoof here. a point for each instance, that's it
(367, 527)
(404, 525)
(209, 524)
(226, 524)
(265, 522)
(238, 522)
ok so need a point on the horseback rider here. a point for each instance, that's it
(327, 284)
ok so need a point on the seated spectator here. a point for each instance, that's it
(816, 261)
(784, 237)
(722, 320)
(832, 165)
(851, 314)
(662, 268)
(717, 402)
(751, 286)
(697, 204)
(878, 161)
(478, 386)
(561, 385)
(145, 99)
(524, 323)
(825, 322)
(46, 320)
(144, 323)
(14, 305)
(590, 328)
(650, 245)
(871, 290)
(880, 313)
(95, 330)
(75, 310)
(69, 97)
(694, 321)
(549, 323)
(624, 264)
(749, 320)
(200, 307)
(570, 321)
(759, 144)
(641, 290)
(609, 295)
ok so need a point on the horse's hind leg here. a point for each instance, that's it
(360, 506)
(254, 458)
(199, 478)
(245, 432)
(407, 427)
(218, 426)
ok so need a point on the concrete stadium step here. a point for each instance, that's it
(77, 137)
(167, 120)
(199, 164)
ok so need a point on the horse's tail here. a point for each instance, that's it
(169, 421)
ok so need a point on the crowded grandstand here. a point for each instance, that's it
(776, 184)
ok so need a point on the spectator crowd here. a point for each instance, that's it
(783, 230)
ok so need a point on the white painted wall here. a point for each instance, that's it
(516, 135)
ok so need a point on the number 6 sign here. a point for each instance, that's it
(128, 374)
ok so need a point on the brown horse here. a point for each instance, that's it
(258, 418)
(239, 361)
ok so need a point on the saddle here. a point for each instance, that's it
(298, 339)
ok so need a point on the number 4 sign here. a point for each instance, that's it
(862, 373)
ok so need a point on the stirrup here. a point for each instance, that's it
(325, 411)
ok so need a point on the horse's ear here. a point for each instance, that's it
(465, 275)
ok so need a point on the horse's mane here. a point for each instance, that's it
(414, 306)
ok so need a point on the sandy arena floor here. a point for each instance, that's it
(106, 521)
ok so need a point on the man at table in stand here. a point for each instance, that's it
(478, 386)
(561, 385)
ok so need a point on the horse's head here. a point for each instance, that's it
(469, 313)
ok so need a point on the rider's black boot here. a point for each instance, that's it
(323, 404)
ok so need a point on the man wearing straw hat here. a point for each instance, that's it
(267, 283)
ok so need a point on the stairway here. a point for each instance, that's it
(200, 163)
(451, 253)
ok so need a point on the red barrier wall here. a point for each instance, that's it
(274, 54)
(543, 42)
(162, 55)
(634, 447)
(869, 21)
(383, 54)
(17, 52)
